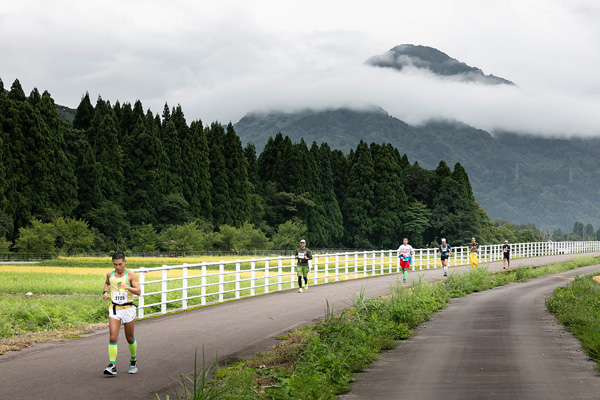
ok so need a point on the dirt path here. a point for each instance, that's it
(497, 344)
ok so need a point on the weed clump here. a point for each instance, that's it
(577, 307)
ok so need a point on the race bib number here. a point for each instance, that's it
(119, 297)
(301, 256)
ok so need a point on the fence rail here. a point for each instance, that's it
(171, 288)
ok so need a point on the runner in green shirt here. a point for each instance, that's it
(119, 287)
(303, 255)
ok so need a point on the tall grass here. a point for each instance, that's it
(48, 283)
(21, 313)
(577, 307)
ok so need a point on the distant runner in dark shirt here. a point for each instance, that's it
(445, 250)
(506, 253)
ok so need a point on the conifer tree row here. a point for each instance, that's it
(122, 166)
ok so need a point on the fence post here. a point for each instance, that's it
(237, 279)
(279, 272)
(292, 281)
(374, 262)
(315, 268)
(266, 276)
(382, 262)
(337, 267)
(221, 281)
(355, 265)
(326, 269)
(252, 275)
(203, 285)
(365, 264)
(142, 280)
(163, 295)
(346, 266)
(184, 275)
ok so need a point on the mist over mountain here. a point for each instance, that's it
(521, 179)
(435, 61)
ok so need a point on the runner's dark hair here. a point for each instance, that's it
(118, 256)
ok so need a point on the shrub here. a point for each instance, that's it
(187, 237)
(72, 235)
(37, 238)
(4, 245)
(288, 235)
(144, 238)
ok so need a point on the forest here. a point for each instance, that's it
(119, 177)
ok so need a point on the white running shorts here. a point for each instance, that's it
(125, 316)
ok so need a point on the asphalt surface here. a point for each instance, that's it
(497, 344)
(166, 345)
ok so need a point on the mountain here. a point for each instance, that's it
(521, 179)
(66, 113)
(433, 60)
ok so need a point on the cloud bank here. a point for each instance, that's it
(220, 60)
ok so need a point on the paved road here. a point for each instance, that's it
(166, 345)
(498, 344)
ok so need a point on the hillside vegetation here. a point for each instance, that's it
(550, 182)
(121, 177)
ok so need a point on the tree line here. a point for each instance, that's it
(579, 232)
(137, 180)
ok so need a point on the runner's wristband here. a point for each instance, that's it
(106, 291)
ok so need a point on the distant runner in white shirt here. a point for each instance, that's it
(405, 252)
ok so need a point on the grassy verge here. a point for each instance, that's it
(21, 313)
(577, 307)
(318, 361)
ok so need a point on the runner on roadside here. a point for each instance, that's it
(405, 252)
(473, 250)
(119, 287)
(506, 253)
(444, 251)
(303, 255)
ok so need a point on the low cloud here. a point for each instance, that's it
(221, 61)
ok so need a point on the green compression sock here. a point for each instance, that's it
(133, 349)
(405, 273)
(112, 352)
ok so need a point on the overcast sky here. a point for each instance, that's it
(221, 59)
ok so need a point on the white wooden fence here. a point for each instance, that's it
(171, 288)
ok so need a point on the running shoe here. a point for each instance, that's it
(110, 370)
(306, 286)
(133, 367)
(404, 280)
(445, 274)
(300, 290)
